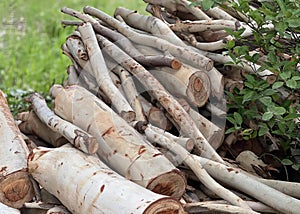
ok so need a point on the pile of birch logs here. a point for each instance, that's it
(126, 134)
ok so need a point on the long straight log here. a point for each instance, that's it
(150, 24)
(101, 73)
(86, 185)
(192, 57)
(15, 185)
(181, 117)
(120, 145)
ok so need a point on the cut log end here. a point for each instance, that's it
(172, 184)
(176, 64)
(128, 116)
(198, 89)
(16, 189)
(165, 205)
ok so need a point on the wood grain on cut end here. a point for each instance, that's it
(16, 189)
(165, 206)
(198, 89)
(172, 184)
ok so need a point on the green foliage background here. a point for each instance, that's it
(30, 39)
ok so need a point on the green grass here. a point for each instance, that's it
(31, 36)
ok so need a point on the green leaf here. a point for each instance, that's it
(207, 4)
(291, 83)
(285, 75)
(267, 116)
(231, 120)
(293, 23)
(277, 85)
(248, 96)
(266, 100)
(228, 131)
(281, 26)
(238, 118)
(263, 130)
(278, 110)
(296, 166)
(296, 78)
(286, 162)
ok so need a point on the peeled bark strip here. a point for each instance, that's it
(31, 124)
(182, 154)
(101, 74)
(15, 185)
(190, 56)
(152, 85)
(121, 147)
(72, 133)
(86, 185)
(187, 82)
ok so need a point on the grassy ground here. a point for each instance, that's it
(30, 40)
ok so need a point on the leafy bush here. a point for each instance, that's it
(264, 108)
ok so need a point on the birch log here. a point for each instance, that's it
(181, 117)
(182, 154)
(121, 146)
(252, 186)
(194, 58)
(101, 73)
(155, 115)
(8, 210)
(187, 82)
(76, 136)
(86, 185)
(31, 124)
(15, 185)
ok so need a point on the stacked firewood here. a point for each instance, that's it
(126, 134)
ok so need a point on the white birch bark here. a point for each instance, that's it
(171, 105)
(194, 58)
(76, 136)
(121, 146)
(15, 185)
(86, 185)
(101, 73)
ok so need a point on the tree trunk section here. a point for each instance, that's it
(15, 185)
(86, 185)
(120, 145)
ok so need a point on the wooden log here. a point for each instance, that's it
(8, 210)
(192, 57)
(31, 124)
(176, 111)
(121, 146)
(155, 115)
(15, 185)
(76, 136)
(125, 43)
(101, 73)
(130, 91)
(213, 133)
(187, 82)
(182, 154)
(86, 185)
(149, 24)
(252, 186)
